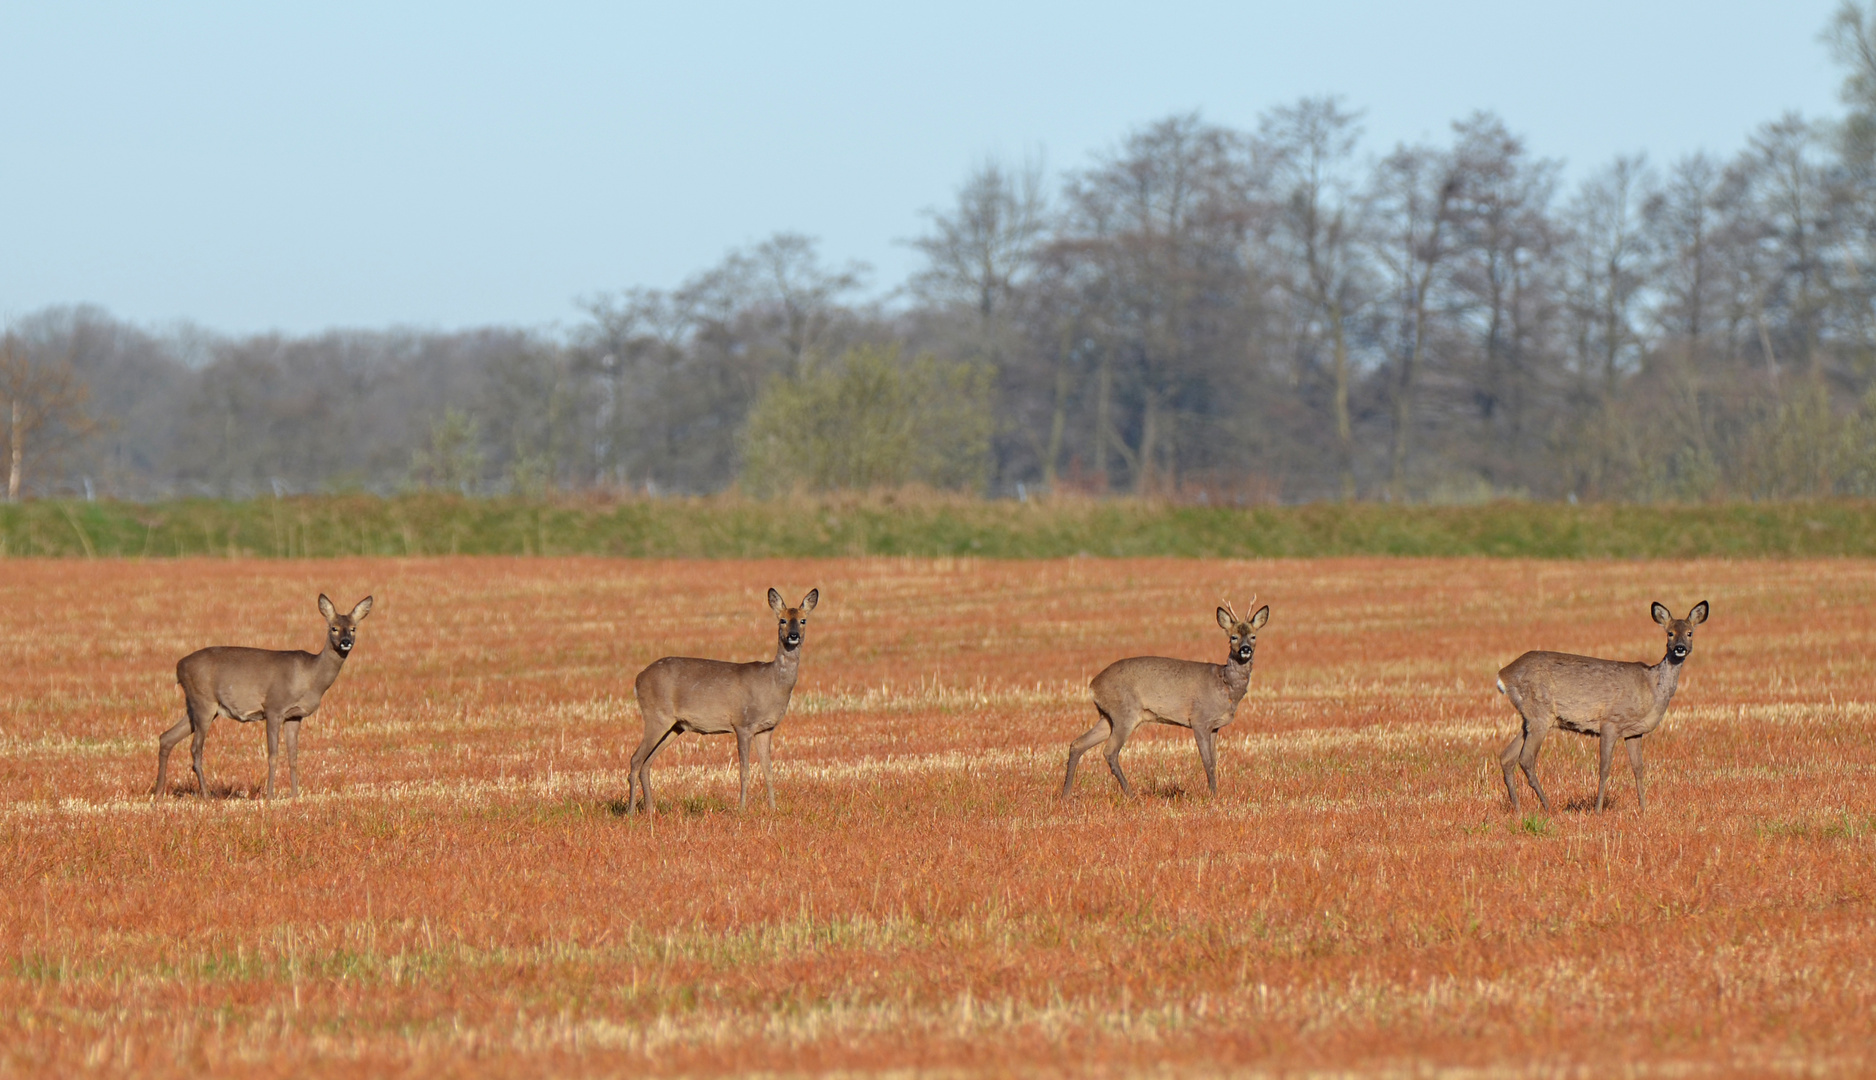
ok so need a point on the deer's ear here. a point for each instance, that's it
(808, 601)
(775, 604)
(1661, 613)
(1225, 621)
(326, 608)
(363, 609)
(1699, 614)
(1263, 616)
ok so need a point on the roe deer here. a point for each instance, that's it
(711, 697)
(281, 687)
(1185, 693)
(1617, 700)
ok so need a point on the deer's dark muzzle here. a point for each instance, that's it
(1244, 654)
(792, 641)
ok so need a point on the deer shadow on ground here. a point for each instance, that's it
(693, 806)
(1167, 790)
(223, 792)
(1586, 804)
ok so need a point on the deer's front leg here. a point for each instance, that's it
(742, 762)
(762, 755)
(293, 756)
(273, 750)
(1207, 737)
(1609, 739)
(1635, 762)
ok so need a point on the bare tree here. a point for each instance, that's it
(1608, 268)
(1785, 181)
(1851, 37)
(1416, 190)
(42, 404)
(783, 281)
(1503, 238)
(1685, 238)
(1164, 221)
(1316, 224)
(977, 252)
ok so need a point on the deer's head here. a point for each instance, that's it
(792, 622)
(1680, 631)
(342, 630)
(1243, 632)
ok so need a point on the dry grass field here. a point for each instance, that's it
(457, 893)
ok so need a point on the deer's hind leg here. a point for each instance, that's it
(1089, 739)
(1527, 759)
(658, 730)
(164, 744)
(201, 718)
(644, 772)
(1508, 763)
(1521, 751)
(1123, 716)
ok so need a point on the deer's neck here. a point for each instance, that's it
(326, 668)
(1667, 675)
(1236, 676)
(786, 667)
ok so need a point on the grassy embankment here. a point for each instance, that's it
(886, 524)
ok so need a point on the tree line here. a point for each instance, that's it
(1199, 312)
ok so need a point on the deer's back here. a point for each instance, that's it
(1583, 691)
(246, 682)
(1175, 691)
(711, 695)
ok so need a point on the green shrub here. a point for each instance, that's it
(870, 420)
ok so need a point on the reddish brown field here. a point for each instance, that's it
(456, 893)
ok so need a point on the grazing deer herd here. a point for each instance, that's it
(1612, 700)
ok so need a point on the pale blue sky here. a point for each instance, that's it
(294, 167)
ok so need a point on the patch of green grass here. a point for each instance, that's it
(1534, 825)
(702, 805)
(1842, 825)
(923, 524)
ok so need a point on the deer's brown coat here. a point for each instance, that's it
(279, 687)
(1614, 700)
(713, 697)
(1162, 690)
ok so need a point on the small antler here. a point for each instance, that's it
(1225, 602)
